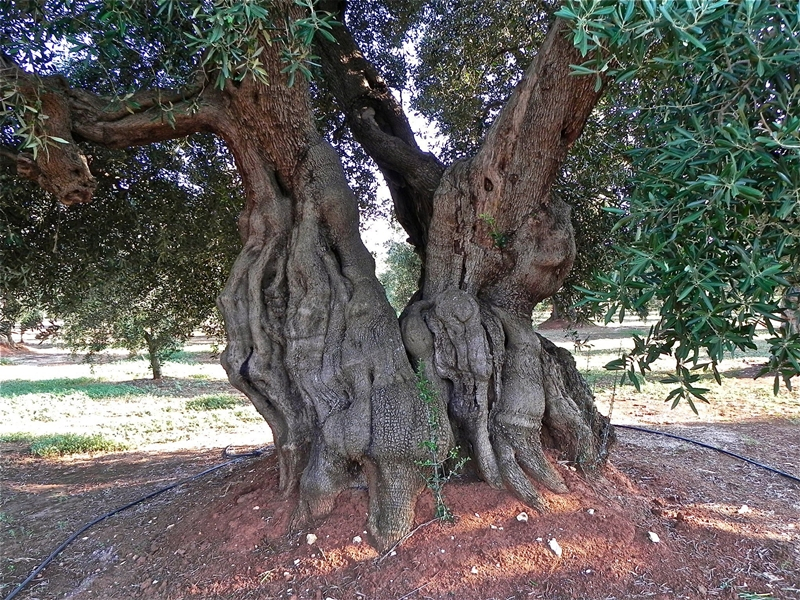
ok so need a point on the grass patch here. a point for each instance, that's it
(63, 444)
(187, 357)
(92, 388)
(16, 437)
(6, 362)
(213, 402)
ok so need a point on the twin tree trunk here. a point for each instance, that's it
(312, 339)
(315, 345)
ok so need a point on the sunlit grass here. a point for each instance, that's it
(84, 386)
(213, 402)
(63, 444)
(116, 398)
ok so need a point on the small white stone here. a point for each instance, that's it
(296, 561)
(474, 570)
(522, 517)
(311, 539)
(539, 539)
(256, 507)
(357, 539)
(590, 511)
(493, 526)
(477, 515)
(653, 537)
(555, 547)
(441, 550)
(392, 553)
(744, 510)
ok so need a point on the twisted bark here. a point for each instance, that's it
(312, 340)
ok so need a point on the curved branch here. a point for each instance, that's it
(159, 116)
(64, 113)
(379, 124)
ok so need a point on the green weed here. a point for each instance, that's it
(47, 446)
(90, 387)
(434, 468)
(16, 437)
(213, 402)
(499, 238)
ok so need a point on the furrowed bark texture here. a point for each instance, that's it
(312, 340)
(498, 245)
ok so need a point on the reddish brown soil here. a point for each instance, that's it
(225, 536)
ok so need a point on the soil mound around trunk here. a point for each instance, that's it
(226, 536)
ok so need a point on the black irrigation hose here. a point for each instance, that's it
(236, 457)
(233, 458)
(732, 454)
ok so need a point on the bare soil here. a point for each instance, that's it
(726, 529)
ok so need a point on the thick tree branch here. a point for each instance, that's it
(533, 133)
(157, 118)
(379, 124)
(64, 114)
(520, 240)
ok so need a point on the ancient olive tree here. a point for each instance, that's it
(312, 340)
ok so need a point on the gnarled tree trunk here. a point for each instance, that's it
(312, 340)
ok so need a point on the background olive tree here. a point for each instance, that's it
(139, 268)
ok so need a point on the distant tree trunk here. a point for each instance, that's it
(152, 353)
(312, 340)
(9, 339)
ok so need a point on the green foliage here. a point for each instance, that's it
(434, 467)
(166, 42)
(213, 402)
(96, 389)
(499, 238)
(138, 268)
(401, 277)
(48, 446)
(715, 207)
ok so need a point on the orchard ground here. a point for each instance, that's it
(726, 529)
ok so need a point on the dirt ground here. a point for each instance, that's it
(725, 529)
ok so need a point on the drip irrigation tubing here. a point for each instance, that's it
(704, 445)
(237, 457)
(233, 459)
